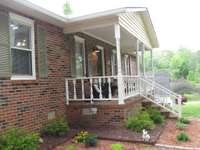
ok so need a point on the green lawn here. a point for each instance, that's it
(193, 97)
(191, 109)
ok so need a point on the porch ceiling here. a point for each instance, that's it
(107, 34)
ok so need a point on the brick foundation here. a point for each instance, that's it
(108, 113)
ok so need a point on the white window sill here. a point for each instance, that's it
(23, 78)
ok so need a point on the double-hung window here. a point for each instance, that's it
(79, 56)
(22, 47)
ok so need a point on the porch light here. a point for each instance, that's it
(96, 50)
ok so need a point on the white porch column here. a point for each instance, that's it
(119, 66)
(143, 61)
(151, 51)
(138, 57)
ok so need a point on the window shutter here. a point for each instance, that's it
(5, 64)
(43, 67)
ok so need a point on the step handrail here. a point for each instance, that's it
(167, 92)
(161, 86)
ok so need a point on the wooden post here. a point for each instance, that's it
(119, 66)
(137, 57)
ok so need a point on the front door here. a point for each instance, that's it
(98, 62)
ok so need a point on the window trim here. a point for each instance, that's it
(81, 40)
(28, 22)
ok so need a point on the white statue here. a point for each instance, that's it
(145, 136)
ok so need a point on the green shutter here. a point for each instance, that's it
(5, 67)
(43, 67)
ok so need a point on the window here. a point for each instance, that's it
(22, 47)
(79, 56)
(114, 62)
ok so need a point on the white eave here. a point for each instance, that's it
(27, 8)
(68, 24)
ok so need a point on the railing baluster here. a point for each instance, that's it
(100, 89)
(83, 89)
(109, 88)
(91, 90)
(74, 83)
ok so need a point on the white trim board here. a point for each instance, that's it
(28, 22)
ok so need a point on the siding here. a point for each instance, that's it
(135, 25)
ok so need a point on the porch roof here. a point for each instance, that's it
(135, 22)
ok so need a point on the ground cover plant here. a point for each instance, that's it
(139, 122)
(57, 127)
(18, 139)
(155, 115)
(182, 137)
(117, 146)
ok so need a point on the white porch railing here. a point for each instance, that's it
(105, 88)
(100, 88)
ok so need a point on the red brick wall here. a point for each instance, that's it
(27, 103)
(108, 113)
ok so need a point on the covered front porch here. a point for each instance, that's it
(101, 73)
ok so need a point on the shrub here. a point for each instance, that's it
(184, 121)
(182, 137)
(180, 125)
(182, 87)
(18, 139)
(81, 137)
(139, 122)
(71, 147)
(155, 115)
(56, 127)
(117, 147)
(91, 140)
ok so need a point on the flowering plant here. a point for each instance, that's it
(81, 137)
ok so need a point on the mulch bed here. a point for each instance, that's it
(51, 142)
(170, 132)
(107, 145)
(125, 135)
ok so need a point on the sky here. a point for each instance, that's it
(176, 22)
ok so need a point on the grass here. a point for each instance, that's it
(191, 110)
(193, 97)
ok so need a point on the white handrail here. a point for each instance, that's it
(161, 96)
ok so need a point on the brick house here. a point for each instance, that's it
(89, 68)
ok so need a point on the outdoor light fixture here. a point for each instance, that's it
(95, 49)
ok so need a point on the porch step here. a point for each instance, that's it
(146, 103)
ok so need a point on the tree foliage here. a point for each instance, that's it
(183, 63)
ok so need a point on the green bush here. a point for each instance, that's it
(56, 127)
(91, 140)
(180, 125)
(155, 115)
(182, 137)
(18, 139)
(139, 122)
(184, 121)
(117, 147)
(71, 147)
